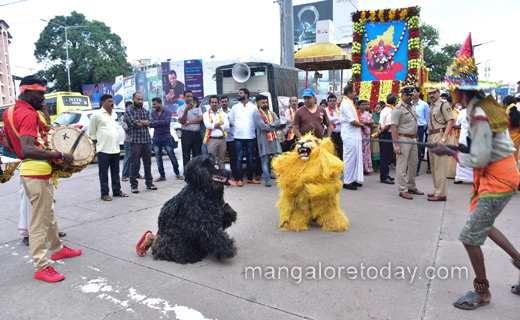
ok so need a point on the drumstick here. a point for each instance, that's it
(76, 143)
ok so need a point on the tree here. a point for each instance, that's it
(436, 60)
(95, 53)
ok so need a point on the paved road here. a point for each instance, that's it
(306, 275)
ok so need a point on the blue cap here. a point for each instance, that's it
(308, 93)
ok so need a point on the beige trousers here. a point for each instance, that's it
(218, 148)
(407, 161)
(439, 166)
(43, 223)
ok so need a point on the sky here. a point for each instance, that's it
(229, 29)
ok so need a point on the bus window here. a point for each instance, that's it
(51, 106)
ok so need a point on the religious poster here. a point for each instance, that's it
(385, 49)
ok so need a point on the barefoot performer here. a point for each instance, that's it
(494, 167)
(26, 134)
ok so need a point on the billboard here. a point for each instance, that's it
(193, 77)
(305, 17)
(154, 84)
(173, 84)
(94, 93)
(385, 51)
(129, 87)
(141, 86)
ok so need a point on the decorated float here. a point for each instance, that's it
(386, 52)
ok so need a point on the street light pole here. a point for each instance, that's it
(66, 45)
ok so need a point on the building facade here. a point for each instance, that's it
(6, 77)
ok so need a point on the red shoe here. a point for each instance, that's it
(49, 275)
(66, 253)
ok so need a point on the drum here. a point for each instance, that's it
(7, 168)
(61, 138)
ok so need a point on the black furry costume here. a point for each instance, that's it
(192, 223)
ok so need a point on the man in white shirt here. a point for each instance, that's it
(104, 132)
(242, 117)
(386, 149)
(333, 112)
(289, 119)
(230, 137)
(352, 145)
(216, 122)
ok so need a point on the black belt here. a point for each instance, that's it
(219, 138)
(421, 126)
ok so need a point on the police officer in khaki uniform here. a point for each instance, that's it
(404, 128)
(439, 127)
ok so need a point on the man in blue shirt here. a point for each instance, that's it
(162, 138)
(97, 97)
(423, 111)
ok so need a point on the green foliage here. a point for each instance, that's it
(436, 60)
(95, 53)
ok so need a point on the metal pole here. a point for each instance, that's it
(306, 75)
(282, 35)
(288, 33)
(341, 88)
(333, 77)
(67, 49)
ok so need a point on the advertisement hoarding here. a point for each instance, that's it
(173, 84)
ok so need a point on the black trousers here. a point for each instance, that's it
(288, 145)
(109, 161)
(191, 142)
(338, 143)
(386, 152)
(143, 151)
(232, 153)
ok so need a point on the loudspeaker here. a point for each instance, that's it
(241, 72)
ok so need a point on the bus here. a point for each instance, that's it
(57, 103)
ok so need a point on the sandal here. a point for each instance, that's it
(141, 243)
(123, 195)
(470, 299)
(429, 171)
(151, 187)
(106, 198)
(179, 177)
(61, 234)
(516, 287)
(135, 190)
(26, 242)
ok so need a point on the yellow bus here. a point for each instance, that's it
(57, 103)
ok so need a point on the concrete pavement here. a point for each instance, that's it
(375, 270)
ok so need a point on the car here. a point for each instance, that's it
(81, 120)
(175, 125)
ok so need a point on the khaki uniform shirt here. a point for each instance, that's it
(404, 116)
(439, 117)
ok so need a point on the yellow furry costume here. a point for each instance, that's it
(309, 182)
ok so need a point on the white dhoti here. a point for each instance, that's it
(464, 173)
(353, 159)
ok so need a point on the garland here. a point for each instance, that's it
(369, 90)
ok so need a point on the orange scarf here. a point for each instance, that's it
(290, 133)
(268, 118)
(331, 113)
(208, 131)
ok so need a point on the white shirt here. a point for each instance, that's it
(462, 121)
(347, 114)
(104, 129)
(288, 117)
(216, 118)
(334, 119)
(385, 118)
(243, 119)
